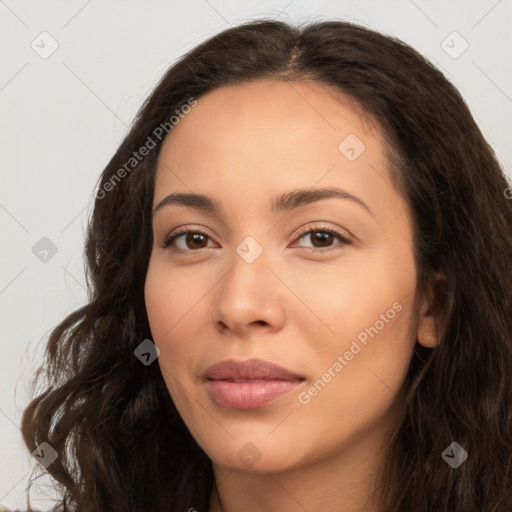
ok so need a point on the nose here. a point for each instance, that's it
(248, 298)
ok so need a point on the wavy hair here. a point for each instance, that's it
(122, 444)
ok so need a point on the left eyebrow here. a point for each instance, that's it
(297, 198)
(284, 202)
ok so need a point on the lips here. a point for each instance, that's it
(249, 370)
(249, 384)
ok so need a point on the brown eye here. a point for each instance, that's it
(192, 240)
(322, 238)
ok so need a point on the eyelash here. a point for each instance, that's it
(306, 231)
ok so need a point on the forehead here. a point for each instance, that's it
(242, 141)
(270, 104)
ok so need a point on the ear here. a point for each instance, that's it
(429, 317)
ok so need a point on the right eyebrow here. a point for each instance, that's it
(196, 201)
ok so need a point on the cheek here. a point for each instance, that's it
(167, 304)
(178, 314)
(357, 373)
(170, 297)
(175, 304)
(369, 310)
(347, 299)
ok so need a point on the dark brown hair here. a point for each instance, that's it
(121, 442)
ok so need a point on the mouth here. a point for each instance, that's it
(249, 384)
(249, 394)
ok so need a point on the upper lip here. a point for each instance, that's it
(230, 369)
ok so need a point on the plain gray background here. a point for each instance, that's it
(64, 114)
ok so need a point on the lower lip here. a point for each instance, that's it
(251, 394)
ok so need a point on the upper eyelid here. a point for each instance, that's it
(312, 225)
(302, 231)
(318, 226)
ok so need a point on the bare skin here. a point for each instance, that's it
(244, 145)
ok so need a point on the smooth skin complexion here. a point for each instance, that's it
(299, 304)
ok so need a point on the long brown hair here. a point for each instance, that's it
(121, 442)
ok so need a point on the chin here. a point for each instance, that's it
(254, 455)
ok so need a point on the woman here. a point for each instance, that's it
(221, 364)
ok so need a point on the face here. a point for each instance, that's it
(323, 286)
